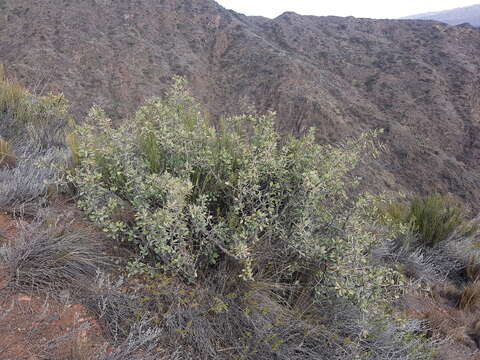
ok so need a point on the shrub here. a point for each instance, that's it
(432, 218)
(196, 196)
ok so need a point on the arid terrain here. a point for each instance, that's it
(418, 80)
(143, 217)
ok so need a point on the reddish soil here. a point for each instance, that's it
(34, 326)
(8, 229)
(454, 327)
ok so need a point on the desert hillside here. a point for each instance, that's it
(152, 207)
(418, 80)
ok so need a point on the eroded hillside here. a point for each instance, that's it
(418, 80)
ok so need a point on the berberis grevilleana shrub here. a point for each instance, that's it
(189, 196)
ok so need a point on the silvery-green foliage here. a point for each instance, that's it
(188, 195)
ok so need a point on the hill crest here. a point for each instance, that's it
(417, 80)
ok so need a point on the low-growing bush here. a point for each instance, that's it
(189, 196)
(432, 218)
(248, 245)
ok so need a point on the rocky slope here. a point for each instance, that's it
(418, 80)
(469, 14)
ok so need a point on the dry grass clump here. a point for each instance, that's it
(64, 264)
(7, 156)
(115, 309)
(451, 310)
(256, 322)
(451, 314)
(469, 298)
(13, 97)
(44, 328)
(204, 322)
(24, 188)
(472, 268)
(32, 144)
(46, 258)
(141, 343)
(445, 321)
(465, 297)
(26, 117)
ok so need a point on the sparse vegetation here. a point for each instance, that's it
(432, 218)
(243, 244)
(32, 138)
(239, 233)
(28, 118)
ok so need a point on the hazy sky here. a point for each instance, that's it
(357, 8)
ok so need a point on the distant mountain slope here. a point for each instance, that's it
(420, 81)
(469, 14)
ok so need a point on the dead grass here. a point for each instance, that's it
(32, 141)
(470, 297)
(27, 117)
(472, 268)
(49, 258)
(13, 98)
(451, 314)
(7, 156)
